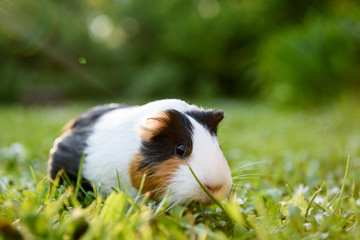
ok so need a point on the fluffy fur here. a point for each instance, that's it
(135, 140)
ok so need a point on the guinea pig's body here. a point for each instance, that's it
(160, 139)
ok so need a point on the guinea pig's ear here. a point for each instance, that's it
(218, 116)
(153, 126)
(210, 118)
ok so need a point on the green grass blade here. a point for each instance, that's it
(33, 174)
(162, 206)
(78, 180)
(312, 199)
(288, 189)
(94, 190)
(137, 196)
(343, 185)
(123, 187)
(353, 189)
(333, 200)
(118, 179)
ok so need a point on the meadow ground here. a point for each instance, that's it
(288, 165)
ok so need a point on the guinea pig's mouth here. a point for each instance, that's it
(219, 195)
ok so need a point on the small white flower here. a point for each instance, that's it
(3, 187)
(240, 201)
(310, 210)
(301, 189)
(218, 210)
(324, 235)
(358, 202)
(334, 190)
(319, 217)
(319, 199)
(247, 186)
(307, 226)
(16, 150)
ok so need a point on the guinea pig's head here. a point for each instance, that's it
(171, 142)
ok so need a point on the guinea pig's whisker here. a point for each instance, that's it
(159, 189)
(162, 187)
(243, 177)
(152, 191)
(240, 168)
(177, 202)
(251, 174)
(250, 168)
(239, 184)
(252, 187)
(187, 203)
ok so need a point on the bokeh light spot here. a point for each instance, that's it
(208, 9)
(101, 27)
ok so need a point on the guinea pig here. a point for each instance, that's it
(160, 139)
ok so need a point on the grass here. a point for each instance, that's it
(293, 178)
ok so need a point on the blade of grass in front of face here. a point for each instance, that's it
(209, 194)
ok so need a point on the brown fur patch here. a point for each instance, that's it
(157, 177)
(153, 126)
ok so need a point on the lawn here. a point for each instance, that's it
(288, 166)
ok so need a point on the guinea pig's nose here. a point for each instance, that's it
(213, 188)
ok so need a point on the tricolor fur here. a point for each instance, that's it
(160, 139)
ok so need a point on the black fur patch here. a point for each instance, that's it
(208, 118)
(162, 146)
(70, 149)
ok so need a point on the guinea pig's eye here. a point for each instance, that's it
(181, 150)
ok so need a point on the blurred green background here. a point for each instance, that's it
(286, 52)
